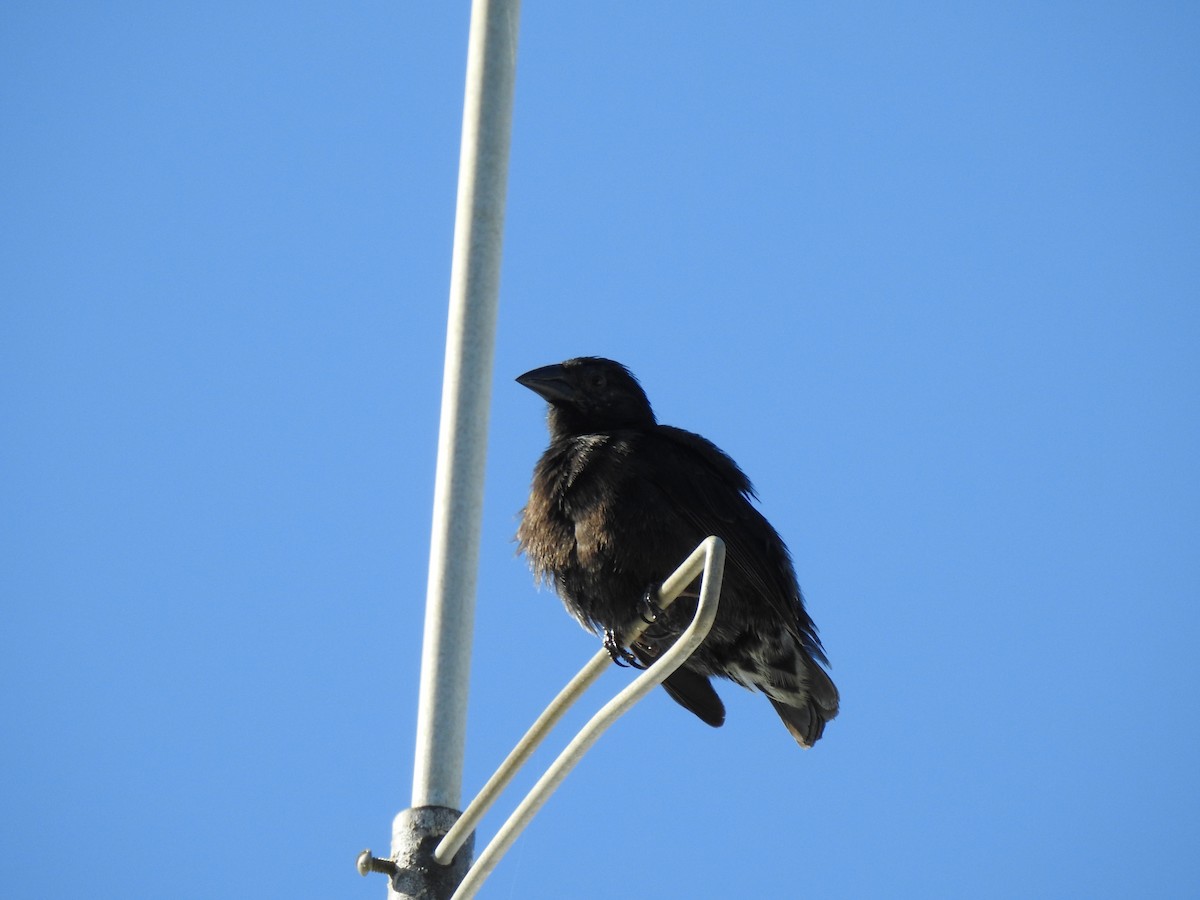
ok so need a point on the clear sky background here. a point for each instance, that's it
(929, 271)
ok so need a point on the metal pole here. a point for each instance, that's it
(462, 445)
(466, 393)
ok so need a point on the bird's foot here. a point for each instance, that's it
(648, 608)
(620, 654)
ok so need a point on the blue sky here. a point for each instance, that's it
(928, 271)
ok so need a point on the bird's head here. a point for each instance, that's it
(590, 394)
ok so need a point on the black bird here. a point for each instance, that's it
(619, 501)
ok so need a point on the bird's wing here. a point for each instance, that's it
(711, 494)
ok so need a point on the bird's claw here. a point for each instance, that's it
(619, 654)
(649, 609)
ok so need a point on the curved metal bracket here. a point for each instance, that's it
(708, 561)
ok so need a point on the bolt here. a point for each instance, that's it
(368, 863)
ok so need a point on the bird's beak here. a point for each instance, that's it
(550, 383)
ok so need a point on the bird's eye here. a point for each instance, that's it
(598, 380)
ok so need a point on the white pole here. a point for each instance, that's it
(462, 446)
(466, 392)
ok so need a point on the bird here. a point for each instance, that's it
(618, 501)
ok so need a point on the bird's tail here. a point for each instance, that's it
(690, 689)
(805, 713)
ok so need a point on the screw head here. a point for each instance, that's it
(364, 863)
